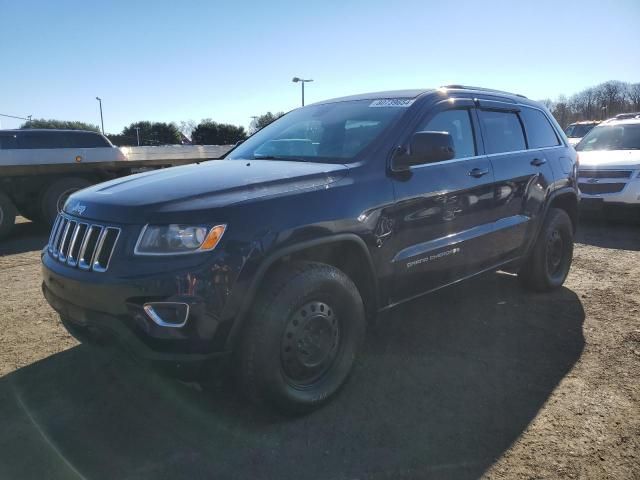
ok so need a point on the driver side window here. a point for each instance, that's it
(456, 123)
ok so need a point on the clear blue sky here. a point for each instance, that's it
(187, 60)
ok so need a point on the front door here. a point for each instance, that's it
(443, 211)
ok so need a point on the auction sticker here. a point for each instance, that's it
(393, 102)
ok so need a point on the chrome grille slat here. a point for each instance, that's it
(56, 242)
(83, 262)
(81, 244)
(54, 230)
(64, 242)
(71, 258)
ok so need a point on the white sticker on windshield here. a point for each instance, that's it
(393, 102)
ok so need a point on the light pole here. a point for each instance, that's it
(302, 81)
(101, 119)
(137, 134)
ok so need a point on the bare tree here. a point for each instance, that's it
(633, 94)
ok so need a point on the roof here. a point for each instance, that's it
(625, 121)
(376, 95)
(413, 93)
(587, 122)
(39, 130)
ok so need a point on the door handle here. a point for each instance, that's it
(478, 172)
(536, 162)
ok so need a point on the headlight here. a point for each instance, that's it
(176, 239)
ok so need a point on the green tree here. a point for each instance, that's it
(262, 121)
(152, 133)
(208, 132)
(61, 124)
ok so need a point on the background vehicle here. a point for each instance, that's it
(577, 130)
(609, 172)
(277, 255)
(39, 169)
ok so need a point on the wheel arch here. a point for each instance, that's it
(356, 263)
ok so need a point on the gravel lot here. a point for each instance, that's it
(481, 380)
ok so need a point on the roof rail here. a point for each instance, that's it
(481, 89)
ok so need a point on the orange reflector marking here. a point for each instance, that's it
(213, 237)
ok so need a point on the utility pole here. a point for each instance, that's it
(138, 134)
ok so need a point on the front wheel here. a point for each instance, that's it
(301, 341)
(550, 260)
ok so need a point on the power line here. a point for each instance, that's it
(13, 116)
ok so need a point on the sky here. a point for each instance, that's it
(188, 60)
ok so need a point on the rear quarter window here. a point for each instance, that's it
(540, 133)
(502, 131)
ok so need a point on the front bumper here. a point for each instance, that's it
(112, 307)
(615, 191)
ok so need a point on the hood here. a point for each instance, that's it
(610, 159)
(154, 195)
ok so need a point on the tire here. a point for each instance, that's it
(57, 193)
(8, 214)
(550, 259)
(301, 340)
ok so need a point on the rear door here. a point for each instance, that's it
(522, 172)
(443, 210)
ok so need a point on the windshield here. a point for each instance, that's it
(332, 132)
(578, 131)
(612, 137)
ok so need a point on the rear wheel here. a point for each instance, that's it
(550, 260)
(301, 341)
(55, 196)
(7, 215)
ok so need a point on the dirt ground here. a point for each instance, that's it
(480, 380)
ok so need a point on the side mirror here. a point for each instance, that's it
(426, 147)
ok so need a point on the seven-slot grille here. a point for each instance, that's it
(80, 244)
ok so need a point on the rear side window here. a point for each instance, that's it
(86, 140)
(61, 140)
(457, 123)
(502, 131)
(540, 133)
(8, 142)
(42, 140)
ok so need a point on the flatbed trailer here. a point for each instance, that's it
(35, 182)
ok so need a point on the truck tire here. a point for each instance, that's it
(550, 259)
(7, 215)
(301, 340)
(57, 193)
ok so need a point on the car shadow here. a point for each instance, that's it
(442, 389)
(25, 237)
(596, 230)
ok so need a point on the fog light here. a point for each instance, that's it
(168, 314)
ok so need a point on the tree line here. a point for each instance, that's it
(207, 132)
(596, 103)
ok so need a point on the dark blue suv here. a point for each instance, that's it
(276, 257)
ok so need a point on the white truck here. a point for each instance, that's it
(40, 168)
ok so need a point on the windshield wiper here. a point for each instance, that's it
(276, 157)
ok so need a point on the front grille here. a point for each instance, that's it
(83, 245)
(605, 173)
(597, 188)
